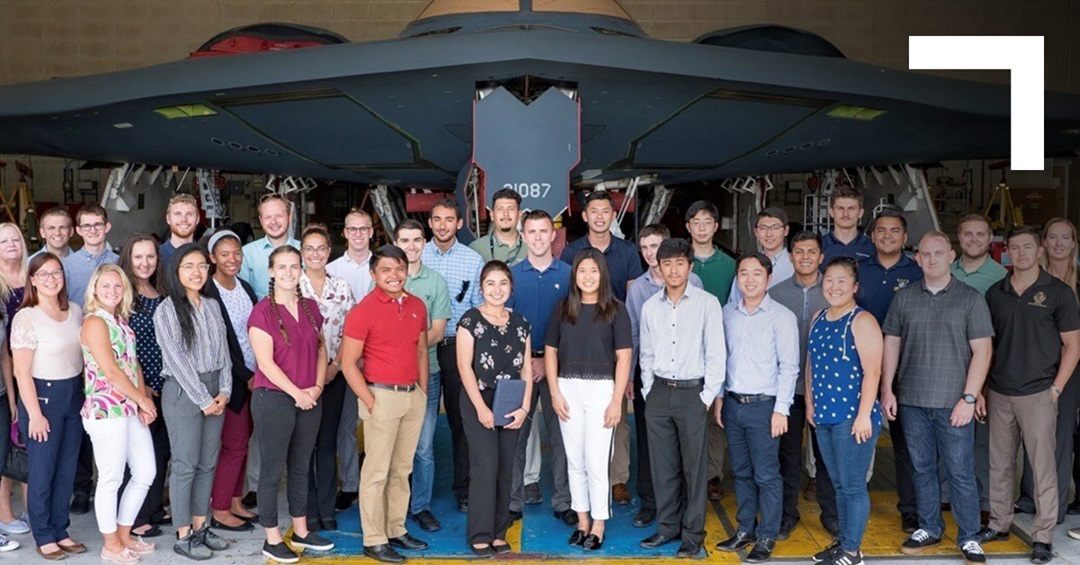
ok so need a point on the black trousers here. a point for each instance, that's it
(286, 436)
(905, 471)
(1063, 452)
(677, 426)
(492, 464)
(644, 466)
(322, 479)
(452, 392)
(791, 465)
(153, 508)
(560, 498)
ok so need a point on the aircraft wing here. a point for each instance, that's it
(400, 111)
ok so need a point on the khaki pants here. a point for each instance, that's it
(391, 433)
(1032, 418)
(619, 471)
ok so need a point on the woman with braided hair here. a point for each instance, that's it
(290, 374)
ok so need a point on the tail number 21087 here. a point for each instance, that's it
(530, 190)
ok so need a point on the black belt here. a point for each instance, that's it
(448, 340)
(395, 388)
(680, 383)
(538, 354)
(750, 398)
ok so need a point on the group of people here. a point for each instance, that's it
(216, 364)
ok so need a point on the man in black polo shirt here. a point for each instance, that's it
(1037, 346)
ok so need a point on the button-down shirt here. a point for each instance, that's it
(642, 289)
(877, 285)
(980, 279)
(717, 272)
(858, 249)
(683, 340)
(762, 351)
(44, 249)
(334, 302)
(256, 266)
(804, 301)
(79, 267)
(358, 275)
(782, 269)
(623, 261)
(460, 267)
(537, 293)
(492, 248)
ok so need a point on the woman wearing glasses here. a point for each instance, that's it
(335, 299)
(236, 298)
(198, 384)
(48, 364)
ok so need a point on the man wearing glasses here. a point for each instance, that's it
(275, 219)
(771, 230)
(354, 267)
(460, 267)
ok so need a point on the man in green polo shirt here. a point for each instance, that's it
(430, 287)
(975, 267)
(717, 272)
(503, 242)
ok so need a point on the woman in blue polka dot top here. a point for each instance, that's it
(844, 368)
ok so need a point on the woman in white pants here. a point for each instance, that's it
(587, 355)
(116, 413)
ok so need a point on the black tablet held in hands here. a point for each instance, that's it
(509, 395)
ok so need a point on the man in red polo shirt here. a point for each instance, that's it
(387, 331)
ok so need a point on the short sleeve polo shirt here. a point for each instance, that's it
(622, 258)
(859, 248)
(1027, 328)
(878, 285)
(717, 272)
(390, 329)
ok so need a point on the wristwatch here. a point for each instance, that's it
(969, 398)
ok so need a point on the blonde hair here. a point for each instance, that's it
(5, 288)
(1070, 271)
(123, 310)
(182, 198)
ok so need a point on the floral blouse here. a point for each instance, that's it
(498, 351)
(334, 303)
(102, 400)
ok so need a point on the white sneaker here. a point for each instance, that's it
(14, 527)
(8, 544)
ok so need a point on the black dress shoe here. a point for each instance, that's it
(329, 524)
(577, 538)
(786, 526)
(688, 549)
(383, 553)
(909, 522)
(645, 517)
(243, 527)
(1074, 508)
(831, 526)
(736, 542)
(515, 515)
(484, 551)
(463, 504)
(762, 551)
(80, 503)
(343, 502)
(428, 522)
(501, 548)
(312, 525)
(1041, 552)
(986, 535)
(408, 542)
(656, 540)
(568, 517)
(251, 500)
(592, 542)
(1020, 509)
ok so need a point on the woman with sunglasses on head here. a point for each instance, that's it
(198, 383)
(48, 363)
(289, 380)
(587, 354)
(117, 410)
(335, 299)
(140, 262)
(236, 298)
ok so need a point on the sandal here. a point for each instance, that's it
(124, 557)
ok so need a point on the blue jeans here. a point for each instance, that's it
(755, 462)
(848, 463)
(423, 475)
(930, 435)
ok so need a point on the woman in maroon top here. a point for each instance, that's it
(285, 332)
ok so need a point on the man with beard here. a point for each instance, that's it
(502, 242)
(275, 218)
(182, 216)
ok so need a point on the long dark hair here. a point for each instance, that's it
(30, 299)
(607, 306)
(128, 266)
(185, 311)
(299, 295)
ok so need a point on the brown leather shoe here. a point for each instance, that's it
(53, 555)
(73, 548)
(620, 493)
(716, 491)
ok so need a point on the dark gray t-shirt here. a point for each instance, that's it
(587, 348)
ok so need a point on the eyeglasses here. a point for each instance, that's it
(46, 275)
(702, 223)
(770, 229)
(356, 230)
(320, 249)
(92, 227)
(188, 267)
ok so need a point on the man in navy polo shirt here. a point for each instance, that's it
(880, 277)
(845, 239)
(540, 282)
